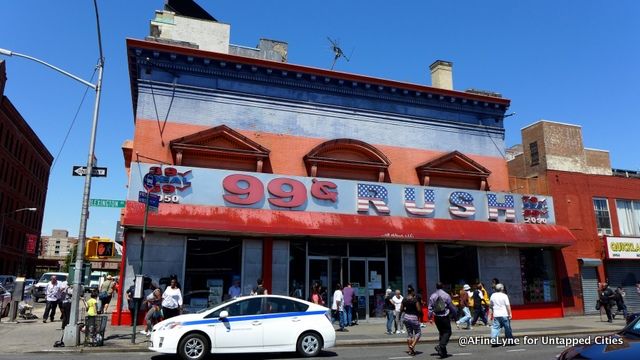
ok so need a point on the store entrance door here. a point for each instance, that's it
(325, 271)
(367, 275)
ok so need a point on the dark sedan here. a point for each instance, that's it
(620, 346)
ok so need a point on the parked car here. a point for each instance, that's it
(7, 282)
(5, 300)
(251, 324)
(40, 288)
(619, 346)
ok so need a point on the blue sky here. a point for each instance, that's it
(568, 61)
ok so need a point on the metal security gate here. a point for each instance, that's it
(589, 289)
(625, 273)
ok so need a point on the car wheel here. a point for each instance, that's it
(5, 312)
(194, 347)
(309, 344)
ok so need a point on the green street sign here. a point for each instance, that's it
(107, 203)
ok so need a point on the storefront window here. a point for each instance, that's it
(212, 268)
(367, 249)
(538, 275)
(321, 247)
(458, 266)
(394, 266)
(298, 269)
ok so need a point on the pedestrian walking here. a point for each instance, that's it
(347, 292)
(411, 309)
(52, 295)
(106, 293)
(464, 306)
(619, 300)
(478, 308)
(441, 309)
(260, 289)
(171, 300)
(606, 298)
(397, 302)
(389, 309)
(316, 296)
(65, 303)
(500, 314)
(338, 307)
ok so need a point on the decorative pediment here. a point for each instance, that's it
(454, 169)
(347, 159)
(219, 147)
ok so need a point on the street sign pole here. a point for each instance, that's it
(148, 186)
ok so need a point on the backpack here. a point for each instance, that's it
(440, 306)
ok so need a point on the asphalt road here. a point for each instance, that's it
(426, 351)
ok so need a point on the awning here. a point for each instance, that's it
(590, 262)
(173, 217)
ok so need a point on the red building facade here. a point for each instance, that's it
(599, 205)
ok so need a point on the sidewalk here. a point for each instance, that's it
(35, 336)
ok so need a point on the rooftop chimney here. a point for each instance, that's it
(441, 74)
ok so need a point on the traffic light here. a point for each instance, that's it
(104, 249)
(99, 248)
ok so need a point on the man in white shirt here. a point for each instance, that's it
(338, 307)
(52, 295)
(397, 302)
(500, 312)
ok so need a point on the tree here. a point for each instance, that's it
(70, 258)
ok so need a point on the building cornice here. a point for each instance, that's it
(176, 58)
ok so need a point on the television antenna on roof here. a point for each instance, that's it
(337, 51)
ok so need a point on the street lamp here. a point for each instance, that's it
(71, 333)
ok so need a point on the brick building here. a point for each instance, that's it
(24, 176)
(301, 175)
(600, 205)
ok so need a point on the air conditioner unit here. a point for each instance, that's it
(607, 232)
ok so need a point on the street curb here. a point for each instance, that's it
(339, 343)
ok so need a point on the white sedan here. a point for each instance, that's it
(264, 323)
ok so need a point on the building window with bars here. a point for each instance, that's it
(603, 220)
(535, 157)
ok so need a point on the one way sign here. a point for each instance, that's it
(95, 171)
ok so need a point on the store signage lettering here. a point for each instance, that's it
(534, 209)
(215, 187)
(285, 192)
(169, 183)
(626, 246)
(623, 248)
(292, 194)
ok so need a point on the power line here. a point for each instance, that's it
(55, 160)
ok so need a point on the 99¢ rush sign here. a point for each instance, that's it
(228, 188)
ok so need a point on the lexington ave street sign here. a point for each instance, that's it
(95, 171)
(107, 203)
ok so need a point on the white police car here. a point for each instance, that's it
(263, 323)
